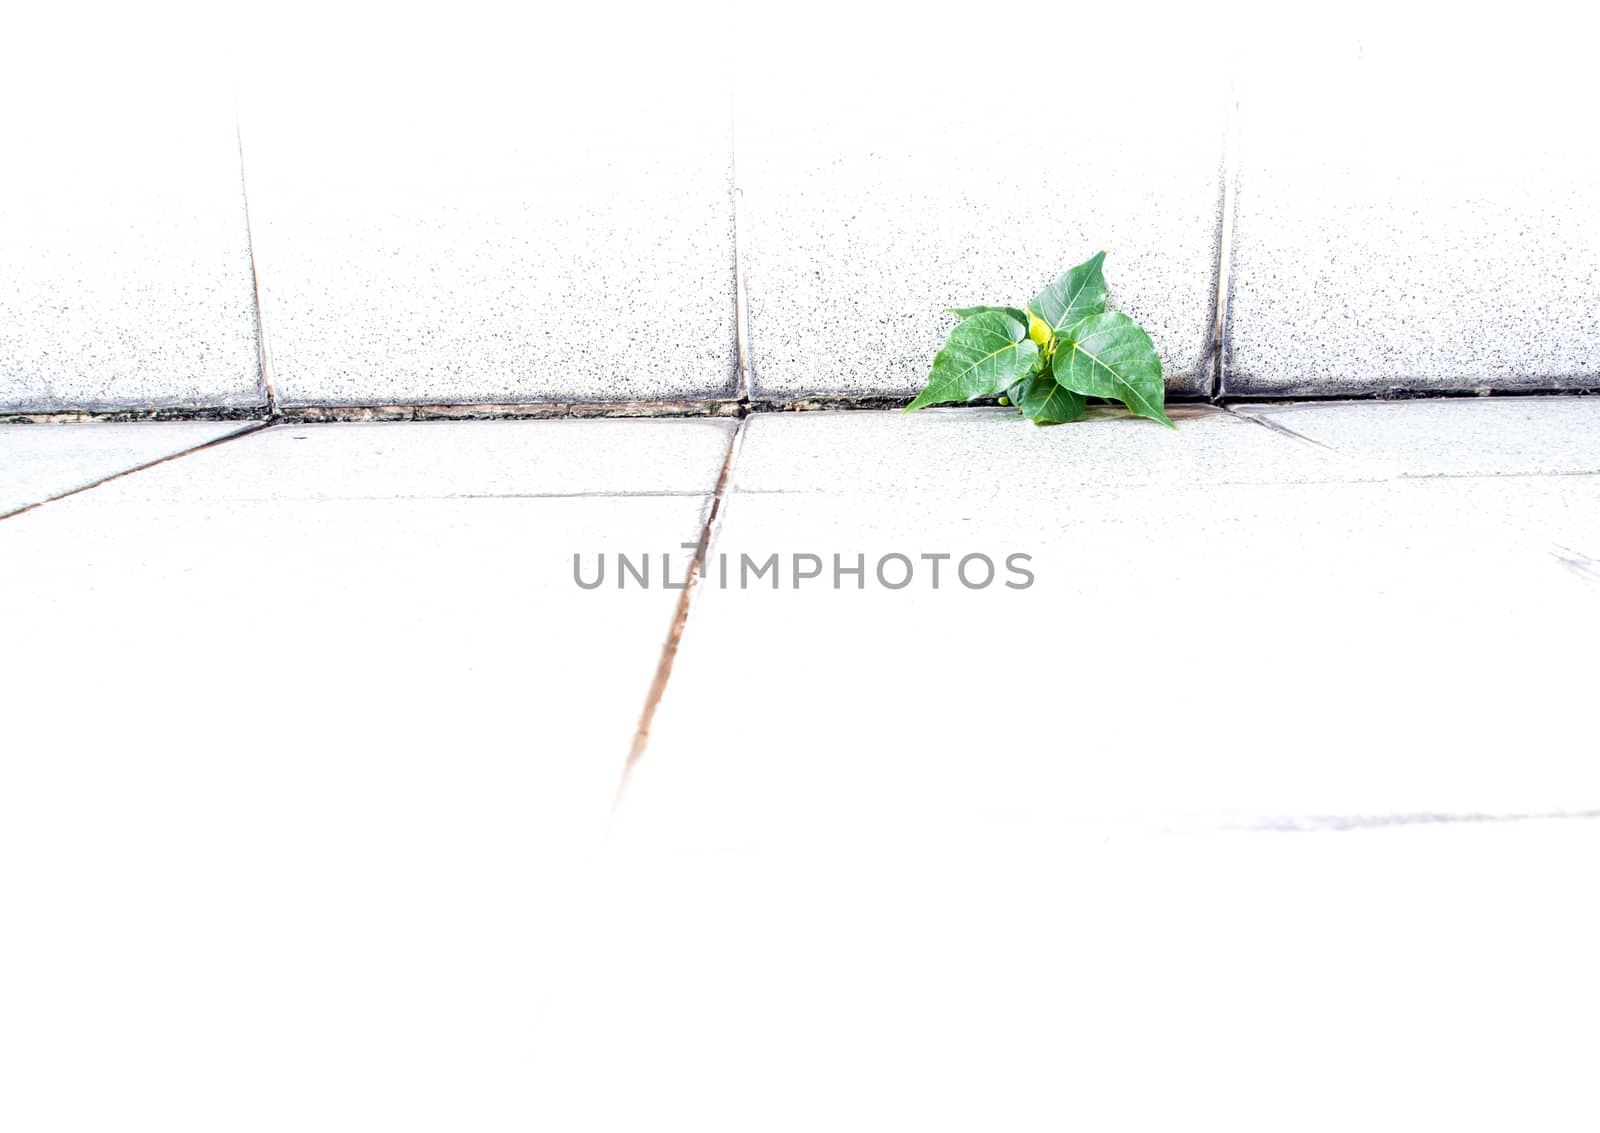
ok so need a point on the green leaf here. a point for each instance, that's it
(1014, 394)
(984, 356)
(1046, 403)
(1110, 355)
(968, 312)
(1076, 295)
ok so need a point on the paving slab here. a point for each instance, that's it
(449, 460)
(1375, 248)
(124, 256)
(38, 462)
(1426, 975)
(1182, 656)
(939, 453)
(1239, 796)
(433, 242)
(861, 226)
(1561, 512)
(1497, 436)
(298, 790)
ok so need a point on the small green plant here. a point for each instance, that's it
(1047, 359)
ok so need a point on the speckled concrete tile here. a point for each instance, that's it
(358, 749)
(38, 462)
(1501, 436)
(1406, 221)
(124, 258)
(466, 239)
(879, 198)
(448, 459)
(995, 453)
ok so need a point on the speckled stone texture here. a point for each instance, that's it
(471, 213)
(124, 259)
(898, 188)
(1420, 210)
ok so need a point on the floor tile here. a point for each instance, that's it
(1173, 657)
(940, 453)
(38, 462)
(1497, 436)
(301, 790)
(449, 459)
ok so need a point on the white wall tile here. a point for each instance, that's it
(124, 258)
(493, 208)
(1419, 207)
(898, 170)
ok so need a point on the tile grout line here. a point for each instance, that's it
(741, 272)
(268, 380)
(254, 427)
(680, 619)
(1230, 190)
(679, 410)
(1398, 394)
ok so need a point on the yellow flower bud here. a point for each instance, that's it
(1038, 329)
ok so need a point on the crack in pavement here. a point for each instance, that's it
(680, 618)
